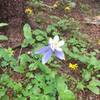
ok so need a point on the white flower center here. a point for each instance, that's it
(55, 44)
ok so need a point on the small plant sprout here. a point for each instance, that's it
(73, 66)
(54, 46)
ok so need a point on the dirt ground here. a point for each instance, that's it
(12, 12)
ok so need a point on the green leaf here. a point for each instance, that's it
(93, 61)
(98, 76)
(39, 38)
(33, 66)
(75, 50)
(86, 75)
(80, 86)
(45, 97)
(32, 97)
(44, 68)
(94, 85)
(63, 91)
(51, 28)
(5, 97)
(21, 98)
(3, 37)
(2, 92)
(84, 59)
(3, 24)
(39, 32)
(27, 32)
(24, 58)
(29, 75)
(19, 69)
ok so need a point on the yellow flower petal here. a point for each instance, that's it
(28, 11)
(68, 9)
(55, 6)
(98, 42)
(73, 66)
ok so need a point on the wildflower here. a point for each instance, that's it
(68, 9)
(54, 46)
(29, 52)
(73, 66)
(98, 42)
(56, 4)
(28, 11)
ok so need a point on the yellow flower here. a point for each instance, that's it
(73, 66)
(55, 6)
(68, 9)
(28, 11)
(98, 42)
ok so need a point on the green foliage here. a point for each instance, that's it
(27, 32)
(28, 35)
(36, 3)
(40, 35)
(94, 85)
(3, 24)
(63, 91)
(65, 24)
(6, 57)
(85, 8)
(3, 37)
(27, 77)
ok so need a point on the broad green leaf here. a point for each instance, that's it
(80, 86)
(98, 76)
(26, 92)
(20, 98)
(27, 32)
(2, 92)
(3, 24)
(84, 59)
(94, 89)
(51, 28)
(5, 97)
(63, 91)
(75, 50)
(33, 97)
(29, 75)
(33, 66)
(24, 58)
(3, 37)
(39, 32)
(20, 69)
(86, 75)
(45, 97)
(93, 61)
(94, 85)
(39, 38)
(44, 68)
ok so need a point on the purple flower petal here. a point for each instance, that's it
(60, 55)
(47, 56)
(43, 50)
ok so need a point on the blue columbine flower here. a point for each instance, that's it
(54, 46)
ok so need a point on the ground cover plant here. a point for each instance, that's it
(55, 59)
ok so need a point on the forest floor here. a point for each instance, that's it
(14, 30)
